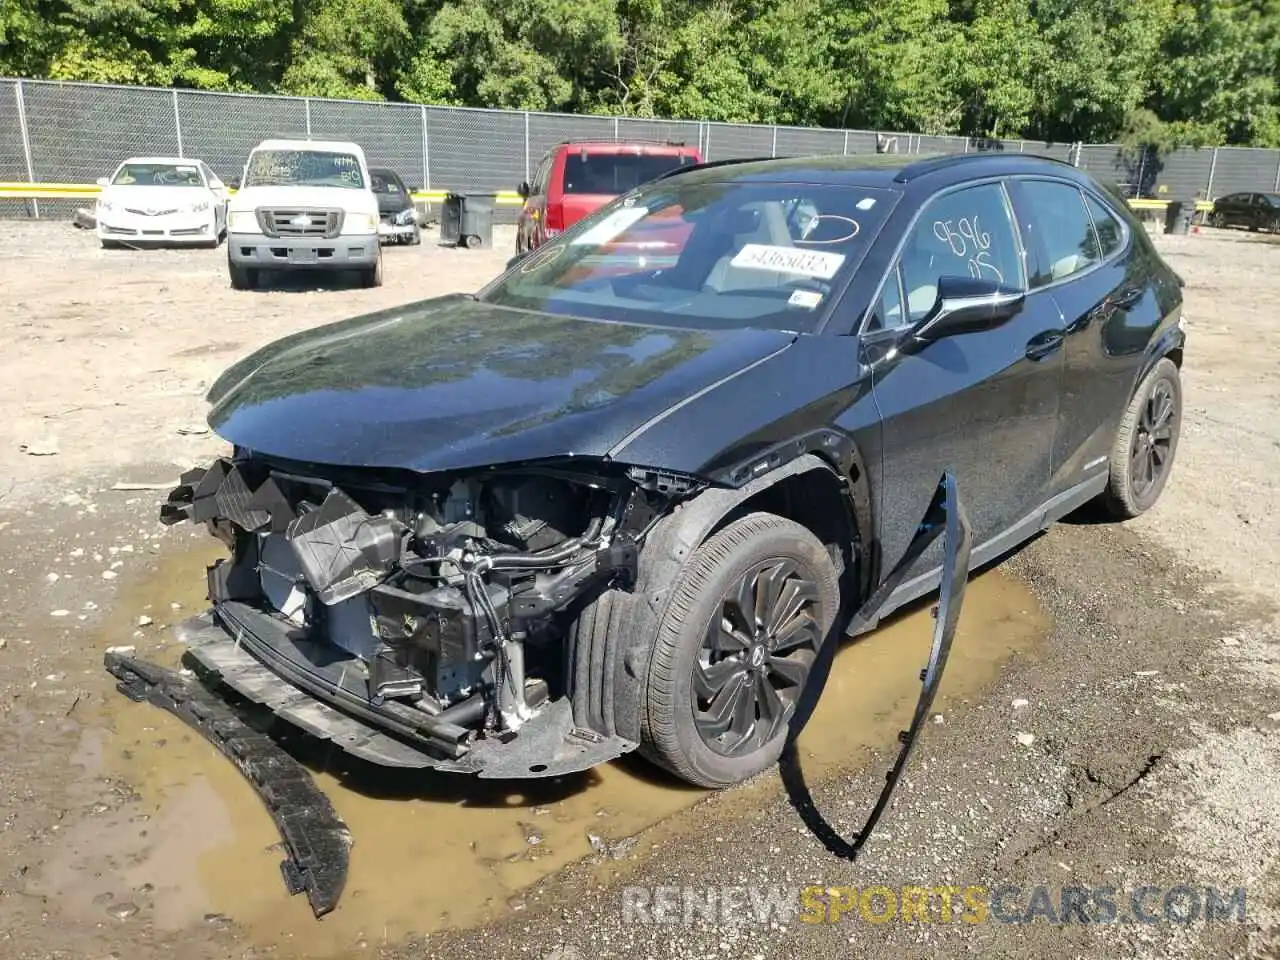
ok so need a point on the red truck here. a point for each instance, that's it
(578, 177)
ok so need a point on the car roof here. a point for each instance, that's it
(627, 146)
(884, 170)
(178, 161)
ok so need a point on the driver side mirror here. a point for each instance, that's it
(523, 190)
(964, 305)
(516, 259)
(104, 181)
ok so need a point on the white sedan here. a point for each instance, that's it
(151, 200)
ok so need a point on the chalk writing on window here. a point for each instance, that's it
(970, 243)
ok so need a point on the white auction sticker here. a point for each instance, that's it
(612, 226)
(809, 299)
(805, 263)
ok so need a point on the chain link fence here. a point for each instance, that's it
(73, 133)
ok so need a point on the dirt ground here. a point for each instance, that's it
(1111, 716)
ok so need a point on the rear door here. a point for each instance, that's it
(983, 405)
(1099, 276)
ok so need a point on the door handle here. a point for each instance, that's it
(1126, 298)
(1043, 344)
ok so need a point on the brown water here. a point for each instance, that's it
(432, 851)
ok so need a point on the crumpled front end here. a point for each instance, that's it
(419, 619)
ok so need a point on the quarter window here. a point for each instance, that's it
(1057, 217)
(540, 177)
(967, 233)
(1110, 233)
(888, 312)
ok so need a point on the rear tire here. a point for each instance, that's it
(747, 617)
(243, 278)
(1146, 443)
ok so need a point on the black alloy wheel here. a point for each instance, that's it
(755, 658)
(1145, 444)
(740, 631)
(1151, 451)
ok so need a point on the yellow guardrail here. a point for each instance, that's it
(76, 191)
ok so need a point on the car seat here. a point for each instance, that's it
(922, 264)
(770, 228)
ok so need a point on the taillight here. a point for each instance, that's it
(553, 223)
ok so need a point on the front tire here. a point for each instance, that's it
(372, 276)
(747, 617)
(1145, 445)
(242, 278)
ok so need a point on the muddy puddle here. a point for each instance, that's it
(431, 851)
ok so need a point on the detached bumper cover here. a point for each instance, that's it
(315, 838)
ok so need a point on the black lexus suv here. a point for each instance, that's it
(628, 494)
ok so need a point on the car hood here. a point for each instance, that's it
(155, 198)
(393, 202)
(453, 383)
(345, 198)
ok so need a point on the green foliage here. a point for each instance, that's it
(1162, 71)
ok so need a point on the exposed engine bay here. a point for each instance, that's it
(439, 608)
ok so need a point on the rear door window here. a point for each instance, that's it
(615, 173)
(1058, 219)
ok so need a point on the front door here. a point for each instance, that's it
(983, 406)
(531, 227)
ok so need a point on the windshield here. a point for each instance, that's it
(316, 168)
(158, 175)
(384, 182)
(712, 255)
(616, 173)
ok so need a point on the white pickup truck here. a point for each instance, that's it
(303, 205)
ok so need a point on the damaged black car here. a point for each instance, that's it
(622, 498)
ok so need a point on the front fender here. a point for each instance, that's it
(634, 618)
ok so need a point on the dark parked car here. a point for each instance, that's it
(398, 218)
(1257, 211)
(616, 502)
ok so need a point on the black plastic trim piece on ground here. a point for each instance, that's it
(945, 517)
(318, 843)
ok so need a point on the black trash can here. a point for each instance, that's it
(451, 218)
(477, 220)
(1177, 216)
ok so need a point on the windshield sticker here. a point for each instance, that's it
(867, 203)
(809, 299)
(839, 229)
(805, 263)
(612, 226)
